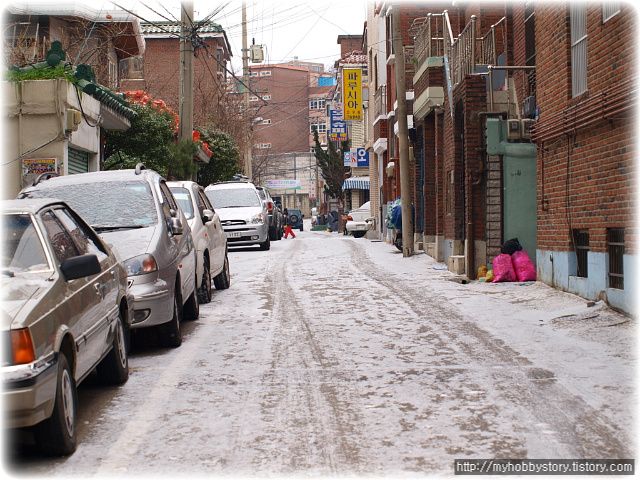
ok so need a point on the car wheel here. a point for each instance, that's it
(57, 435)
(170, 332)
(273, 234)
(204, 293)
(358, 234)
(114, 368)
(266, 245)
(223, 279)
(294, 219)
(192, 305)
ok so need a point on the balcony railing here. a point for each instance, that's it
(380, 102)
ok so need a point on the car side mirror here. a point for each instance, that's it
(207, 215)
(80, 266)
(177, 228)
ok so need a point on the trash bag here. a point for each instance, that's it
(503, 269)
(511, 246)
(394, 210)
(524, 267)
(489, 277)
(332, 221)
(482, 272)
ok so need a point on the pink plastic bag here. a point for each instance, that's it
(503, 269)
(524, 267)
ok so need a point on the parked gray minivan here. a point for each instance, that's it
(136, 214)
(244, 216)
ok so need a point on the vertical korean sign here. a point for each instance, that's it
(352, 92)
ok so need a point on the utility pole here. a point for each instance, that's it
(185, 132)
(248, 168)
(403, 136)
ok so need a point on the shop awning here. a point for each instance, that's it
(356, 183)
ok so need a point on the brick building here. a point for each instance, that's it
(158, 71)
(529, 137)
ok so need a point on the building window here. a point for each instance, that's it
(265, 73)
(253, 74)
(615, 248)
(253, 99)
(530, 33)
(265, 145)
(266, 97)
(578, 48)
(610, 8)
(317, 103)
(266, 121)
(581, 247)
(321, 127)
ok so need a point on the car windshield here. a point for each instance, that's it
(183, 197)
(233, 197)
(22, 250)
(106, 205)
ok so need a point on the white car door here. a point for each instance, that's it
(218, 240)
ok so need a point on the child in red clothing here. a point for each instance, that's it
(287, 225)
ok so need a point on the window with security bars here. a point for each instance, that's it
(581, 248)
(615, 248)
(578, 48)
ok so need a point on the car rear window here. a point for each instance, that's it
(106, 204)
(233, 197)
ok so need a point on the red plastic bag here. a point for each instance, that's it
(503, 269)
(524, 267)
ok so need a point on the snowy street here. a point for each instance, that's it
(331, 355)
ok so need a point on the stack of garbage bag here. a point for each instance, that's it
(512, 265)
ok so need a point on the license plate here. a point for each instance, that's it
(233, 234)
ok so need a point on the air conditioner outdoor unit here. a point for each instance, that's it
(530, 107)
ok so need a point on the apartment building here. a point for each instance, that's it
(523, 127)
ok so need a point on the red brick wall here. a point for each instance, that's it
(586, 178)
(288, 109)
(162, 76)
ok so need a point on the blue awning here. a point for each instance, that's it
(356, 183)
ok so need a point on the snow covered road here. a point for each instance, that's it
(331, 355)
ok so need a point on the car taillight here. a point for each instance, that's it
(349, 218)
(22, 347)
(270, 207)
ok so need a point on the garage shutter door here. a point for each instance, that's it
(78, 161)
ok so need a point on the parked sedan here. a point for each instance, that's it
(65, 312)
(208, 237)
(276, 219)
(359, 221)
(135, 211)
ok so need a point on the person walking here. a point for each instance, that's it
(287, 225)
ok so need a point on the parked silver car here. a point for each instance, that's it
(135, 212)
(208, 237)
(66, 311)
(276, 220)
(243, 215)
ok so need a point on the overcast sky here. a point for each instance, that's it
(287, 28)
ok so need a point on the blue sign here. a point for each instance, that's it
(362, 157)
(338, 127)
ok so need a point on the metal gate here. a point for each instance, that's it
(78, 161)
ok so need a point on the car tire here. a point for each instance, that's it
(223, 279)
(204, 293)
(114, 368)
(273, 234)
(294, 219)
(266, 245)
(358, 234)
(57, 435)
(192, 305)
(170, 332)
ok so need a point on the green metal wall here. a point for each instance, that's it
(519, 207)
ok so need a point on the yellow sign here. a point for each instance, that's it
(352, 92)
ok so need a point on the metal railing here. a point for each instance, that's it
(433, 37)
(380, 102)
